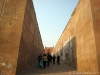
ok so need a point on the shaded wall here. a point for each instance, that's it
(31, 43)
(20, 39)
(95, 8)
(81, 27)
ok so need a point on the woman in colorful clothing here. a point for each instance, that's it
(41, 62)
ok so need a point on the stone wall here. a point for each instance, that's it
(95, 8)
(20, 39)
(78, 45)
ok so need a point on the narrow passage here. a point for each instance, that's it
(55, 69)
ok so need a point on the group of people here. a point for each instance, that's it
(45, 59)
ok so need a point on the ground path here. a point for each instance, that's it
(55, 69)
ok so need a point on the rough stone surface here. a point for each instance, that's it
(95, 8)
(20, 39)
(78, 45)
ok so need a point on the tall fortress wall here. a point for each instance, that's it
(79, 43)
(20, 38)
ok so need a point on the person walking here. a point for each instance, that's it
(44, 60)
(48, 59)
(54, 59)
(41, 62)
(39, 59)
(58, 59)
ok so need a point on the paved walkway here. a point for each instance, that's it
(55, 69)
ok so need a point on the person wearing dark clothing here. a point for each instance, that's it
(54, 59)
(44, 60)
(48, 59)
(51, 58)
(58, 59)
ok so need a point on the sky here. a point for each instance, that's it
(52, 17)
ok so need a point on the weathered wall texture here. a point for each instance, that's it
(95, 8)
(78, 45)
(20, 39)
(31, 42)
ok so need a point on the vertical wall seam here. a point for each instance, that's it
(21, 34)
(94, 32)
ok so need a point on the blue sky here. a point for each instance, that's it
(52, 17)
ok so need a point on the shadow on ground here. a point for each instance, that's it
(52, 69)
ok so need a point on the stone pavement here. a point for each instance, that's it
(55, 69)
